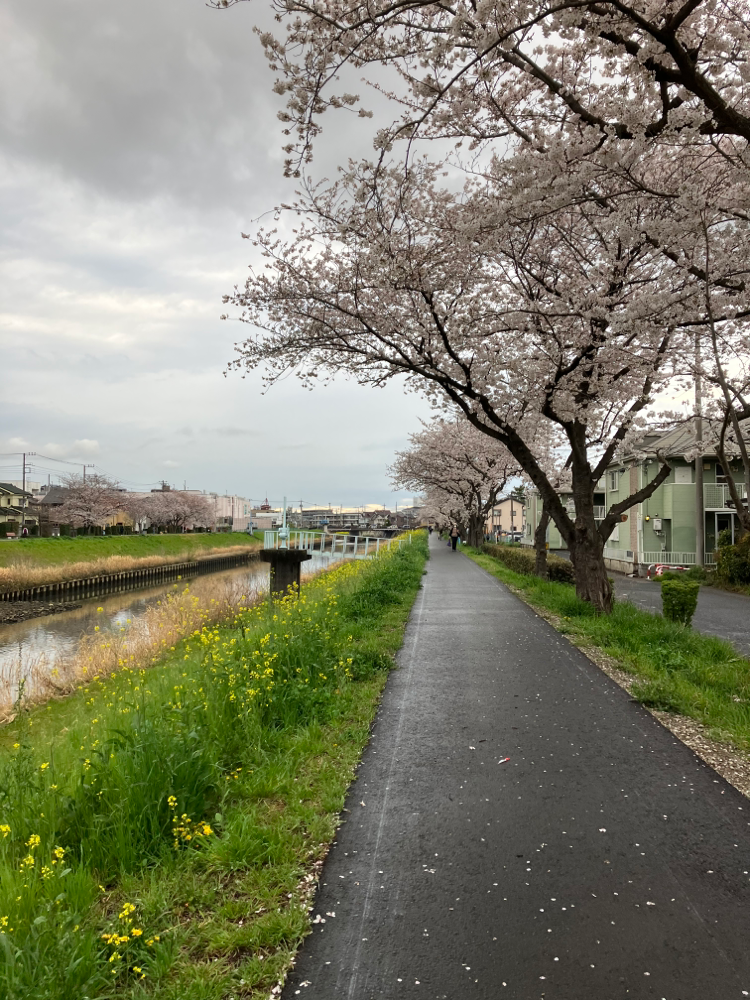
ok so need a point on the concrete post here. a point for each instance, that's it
(285, 568)
(700, 517)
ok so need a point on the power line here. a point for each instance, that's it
(64, 461)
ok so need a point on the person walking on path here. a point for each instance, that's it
(519, 829)
(454, 537)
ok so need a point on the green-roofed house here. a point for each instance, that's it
(662, 528)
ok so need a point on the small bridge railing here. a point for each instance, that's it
(340, 545)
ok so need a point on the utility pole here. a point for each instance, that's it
(23, 498)
(700, 517)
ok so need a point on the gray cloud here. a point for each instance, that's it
(136, 142)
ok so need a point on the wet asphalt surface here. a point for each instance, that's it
(601, 860)
(718, 613)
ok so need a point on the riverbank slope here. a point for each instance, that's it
(34, 562)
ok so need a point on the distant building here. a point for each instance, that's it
(15, 509)
(231, 512)
(408, 517)
(35, 489)
(506, 518)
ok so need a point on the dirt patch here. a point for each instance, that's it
(21, 611)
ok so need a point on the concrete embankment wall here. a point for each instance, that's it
(127, 579)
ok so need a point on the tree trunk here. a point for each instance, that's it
(476, 531)
(587, 556)
(585, 543)
(742, 508)
(540, 544)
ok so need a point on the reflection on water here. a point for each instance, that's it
(56, 636)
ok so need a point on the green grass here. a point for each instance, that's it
(58, 551)
(677, 669)
(168, 820)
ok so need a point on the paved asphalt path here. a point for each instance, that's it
(602, 860)
(718, 613)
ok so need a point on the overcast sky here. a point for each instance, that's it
(137, 140)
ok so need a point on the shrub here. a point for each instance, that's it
(733, 562)
(725, 539)
(522, 560)
(679, 599)
(698, 573)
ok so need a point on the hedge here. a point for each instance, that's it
(523, 560)
(679, 599)
(733, 562)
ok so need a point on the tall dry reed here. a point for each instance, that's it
(205, 602)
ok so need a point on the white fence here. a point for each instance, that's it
(340, 546)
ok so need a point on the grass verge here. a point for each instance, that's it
(161, 830)
(59, 551)
(677, 670)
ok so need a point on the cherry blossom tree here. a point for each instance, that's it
(728, 423)
(720, 370)
(461, 473)
(136, 506)
(622, 70)
(177, 509)
(603, 132)
(89, 503)
(569, 319)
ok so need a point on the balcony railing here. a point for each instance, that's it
(716, 496)
(600, 511)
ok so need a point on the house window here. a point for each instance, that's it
(614, 481)
(683, 474)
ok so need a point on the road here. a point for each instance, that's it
(718, 613)
(520, 829)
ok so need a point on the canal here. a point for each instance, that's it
(55, 638)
